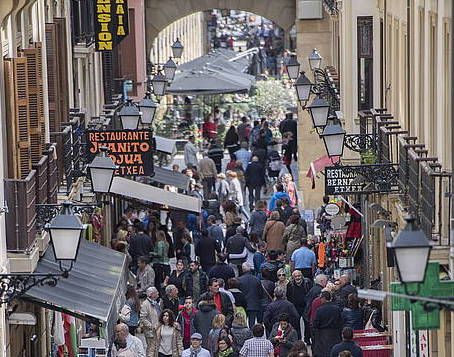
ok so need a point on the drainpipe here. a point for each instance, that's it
(451, 250)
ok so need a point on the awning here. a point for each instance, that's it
(170, 177)
(94, 290)
(165, 145)
(143, 192)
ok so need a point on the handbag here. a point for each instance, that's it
(125, 313)
(369, 325)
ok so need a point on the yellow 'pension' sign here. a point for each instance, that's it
(111, 23)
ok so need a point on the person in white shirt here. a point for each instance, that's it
(133, 343)
(236, 193)
(190, 153)
(196, 350)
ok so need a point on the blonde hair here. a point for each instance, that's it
(218, 321)
(239, 319)
(232, 174)
(274, 216)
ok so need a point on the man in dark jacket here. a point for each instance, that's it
(346, 288)
(140, 245)
(196, 281)
(279, 306)
(347, 344)
(297, 290)
(170, 300)
(283, 335)
(235, 248)
(221, 300)
(289, 125)
(204, 317)
(216, 153)
(320, 282)
(206, 249)
(253, 291)
(327, 326)
(255, 179)
(221, 269)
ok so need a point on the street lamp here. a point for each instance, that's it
(315, 60)
(293, 67)
(411, 250)
(148, 108)
(177, 49)
(333, 136)
(159, 84)
(102, 170)
(130, 116)
(319, 110)
(303, 88)
(170, 68)
(65, 232)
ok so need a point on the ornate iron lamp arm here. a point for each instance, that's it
(13, 286)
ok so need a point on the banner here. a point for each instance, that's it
(111, 23)
(131, 150)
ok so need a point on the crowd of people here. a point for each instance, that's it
(249, 280)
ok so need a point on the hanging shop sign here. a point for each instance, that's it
(131, 150)
(350, 179)
(111, 23)
(332, 209)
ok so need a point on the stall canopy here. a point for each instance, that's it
(209, 81)
(94, 290)
(143, 192)
(221, 58)
(169, 177)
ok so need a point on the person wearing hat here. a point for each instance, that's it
(196, 349)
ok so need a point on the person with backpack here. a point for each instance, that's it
(323, 219)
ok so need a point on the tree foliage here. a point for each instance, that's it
(272, 97)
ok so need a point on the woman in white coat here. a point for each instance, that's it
(236, 193)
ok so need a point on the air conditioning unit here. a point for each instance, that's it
(310, 10)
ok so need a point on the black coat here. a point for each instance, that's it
(327, 329)
(255, 174)
(275, 309)
(221, 270)
(236, 245)
(311, 295)
(171, 304)
(289, 125)
(203, 320)
(189, 279)
(346, 346)
(353, 318)
(296, 294)
(140, 245)
(342, 295)
(206, 249)
(253, 291)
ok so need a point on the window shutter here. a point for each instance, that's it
(52, 79)
(18, 141)
(35, 101)
(62, 60)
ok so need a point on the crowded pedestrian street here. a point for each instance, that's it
(226, 178)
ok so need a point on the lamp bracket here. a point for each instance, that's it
(46, 212)
(360, 142)
(13, 286)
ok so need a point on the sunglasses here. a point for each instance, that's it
(280, 274)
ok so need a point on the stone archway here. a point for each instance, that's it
(161, 13)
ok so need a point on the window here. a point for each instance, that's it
(365, 62)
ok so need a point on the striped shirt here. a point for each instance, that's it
(256, 347)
